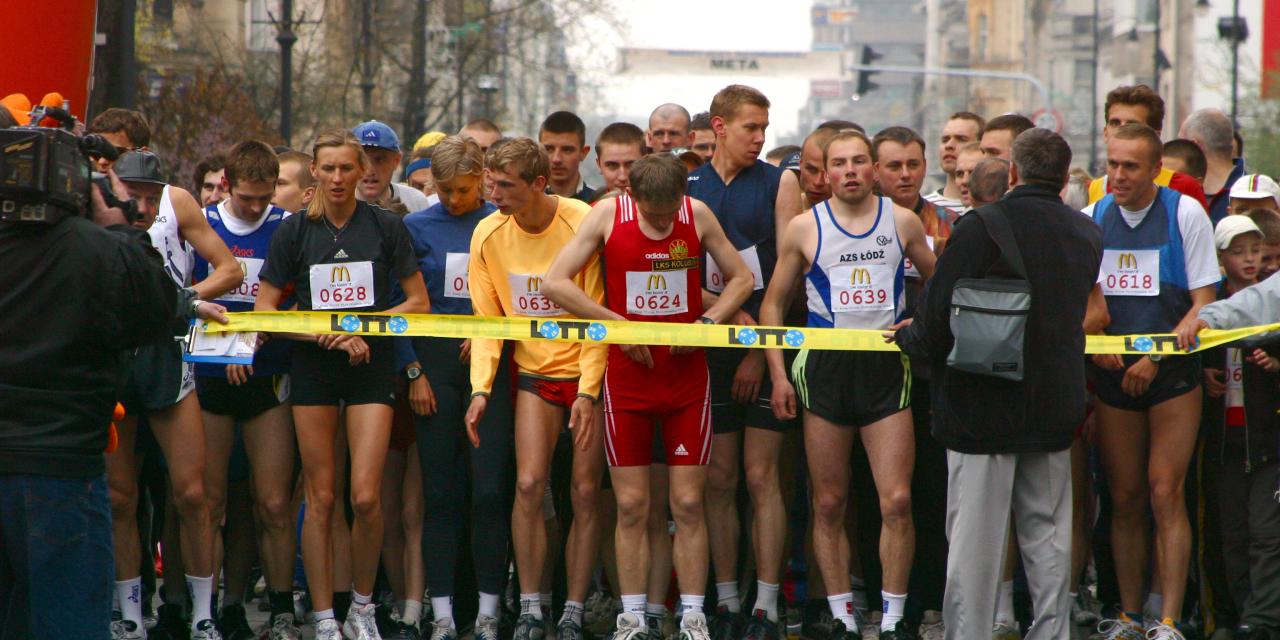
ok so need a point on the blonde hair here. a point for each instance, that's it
(521, 156)
(456, 156)
(333, 138)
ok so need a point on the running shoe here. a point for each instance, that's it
(443, 629)
(931, 626)
(601, 612)
(898, 632)
(126, 630)
(206, 630)
(1084, 610)
(630, 627)
(233, 623)
(654, 622)
(486, 628)
(816, 620)
(841, 632)
(568, 629)
(1121, 628)
(404, 632)
(282, 628)
(1003, 631)
(760, 627)
(361, 623)
(171, 624)
(1164, 631)
(693, 626)
(528, 628)
(328, 630)
(726, 625)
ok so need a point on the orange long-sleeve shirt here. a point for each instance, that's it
(507, 266)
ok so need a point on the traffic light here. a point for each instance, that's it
(865, 85)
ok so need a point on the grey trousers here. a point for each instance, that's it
(981, 490)
(1250, 525)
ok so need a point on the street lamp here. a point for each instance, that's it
(488, 84)
(1236, 30)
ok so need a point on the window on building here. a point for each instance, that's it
(1083, 72)
(260, 33)
(1081, 25)
(981, 47)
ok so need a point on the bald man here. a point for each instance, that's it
(669, 128)
(1212, 131)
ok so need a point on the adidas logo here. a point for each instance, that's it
(340, 254)
(681, 451)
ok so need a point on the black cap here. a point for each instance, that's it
(792, 162)
(139, 166)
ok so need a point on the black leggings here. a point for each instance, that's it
(443, 450)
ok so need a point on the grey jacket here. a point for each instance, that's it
(1259, 304)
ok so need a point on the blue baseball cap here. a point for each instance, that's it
(376, 134)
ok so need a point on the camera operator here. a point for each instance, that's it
(73, 296)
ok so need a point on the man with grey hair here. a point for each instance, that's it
(1009, 442)
(669, 128)
(1212, 130)
(989, 182)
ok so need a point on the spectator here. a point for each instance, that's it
(989, 182)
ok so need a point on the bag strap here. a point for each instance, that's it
(997, 224)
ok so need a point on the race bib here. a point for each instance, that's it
(342, 285)
(455, 275)
(1130, 272)
(1234, 398)
(859, 288)
(716, 280)
(657, 293)
(248, 289)
(910, 269)
(527, 298)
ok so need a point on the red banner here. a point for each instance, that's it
(48, 46)
(1270, 48)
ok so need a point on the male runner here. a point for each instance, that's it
(296, 186)
(564, 136)
(1212, 130)
(962, 128)
(998, 136)
(966, 161)
(618, 147)
(160, 385)
(1158, 268)
(483, 131)
(256, 396)
(1139, 104)
(382, 146)
(753, 201)
(849, 252)
(510, 253)
(669, 128)
(704, 138)
(900, 167)
(651, 243)
(814, 187)
(208, 179)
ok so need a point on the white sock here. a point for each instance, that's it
(129, 592)
(767, 599)
(201, 590)
(656, 609)
(727, 596)
(411, 612)
(359, 599)
(531, 605)
(442, 608)
(1004, 604)
(1154, 606)
(859, 593)
(634, 604)
(488, 605)
(692, 603)
(842, 610)
(573, 611)
(324, 614)
(893, 605)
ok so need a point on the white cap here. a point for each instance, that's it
(1256, 186)
(1232, 226)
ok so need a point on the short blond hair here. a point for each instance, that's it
(731, 99)
(456, 156)
(521, 156)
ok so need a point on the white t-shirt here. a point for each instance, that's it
(1197, 240)
(412, 198)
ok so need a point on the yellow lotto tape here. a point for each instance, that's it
(657, 333)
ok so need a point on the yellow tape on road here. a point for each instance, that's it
(656, 333)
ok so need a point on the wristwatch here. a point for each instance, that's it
(413, 373)
(704, 320)
(1155, 357)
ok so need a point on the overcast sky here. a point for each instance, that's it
(712, 25)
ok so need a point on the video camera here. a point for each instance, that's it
(45, 172)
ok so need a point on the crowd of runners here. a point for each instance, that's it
(374, 487)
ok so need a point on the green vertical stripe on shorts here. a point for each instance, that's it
(905, 400)
(798, 378)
